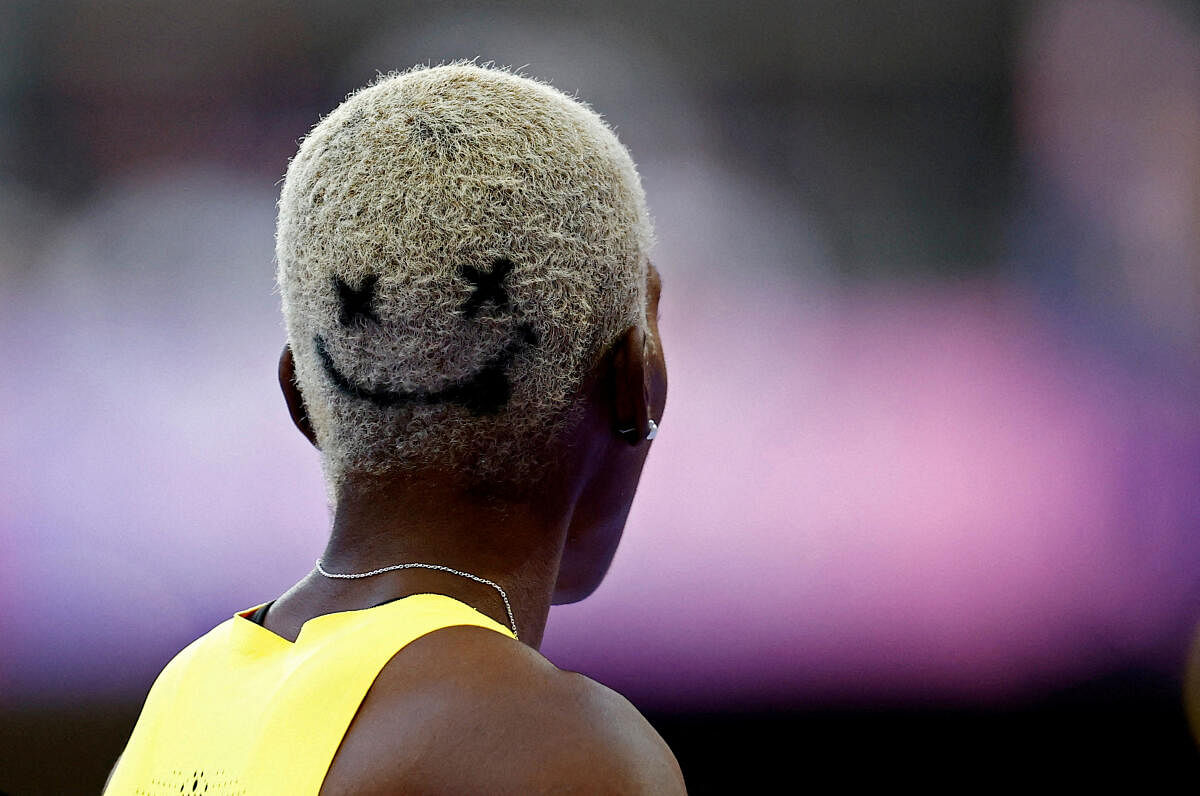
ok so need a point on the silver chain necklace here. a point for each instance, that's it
(355, 575)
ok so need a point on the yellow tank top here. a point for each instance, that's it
(244, 711)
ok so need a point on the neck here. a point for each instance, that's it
(385, 520)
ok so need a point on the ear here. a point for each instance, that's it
(293, 396)
(631, 387)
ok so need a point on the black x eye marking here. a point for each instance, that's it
(356, 302)
(487, 285)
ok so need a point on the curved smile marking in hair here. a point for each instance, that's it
(483, 393)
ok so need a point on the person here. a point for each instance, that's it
(473, 348)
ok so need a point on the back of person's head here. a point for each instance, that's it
(457, 246)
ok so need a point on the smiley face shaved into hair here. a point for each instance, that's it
(482, 393)
(457, 245)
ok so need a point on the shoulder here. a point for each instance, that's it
(465, 710)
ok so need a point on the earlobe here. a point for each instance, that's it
(293, 396)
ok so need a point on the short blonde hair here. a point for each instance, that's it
(456, 245)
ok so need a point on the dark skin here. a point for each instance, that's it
(532, 727)
(464, 709)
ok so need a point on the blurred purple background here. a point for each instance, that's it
(931, 310)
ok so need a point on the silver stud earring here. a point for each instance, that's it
(651, 435)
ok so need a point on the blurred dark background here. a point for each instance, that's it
(925, 506)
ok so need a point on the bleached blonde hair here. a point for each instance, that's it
(457, 245)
